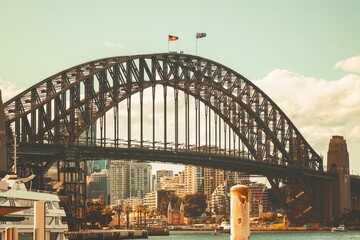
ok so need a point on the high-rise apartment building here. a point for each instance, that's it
(140, 179)
(163, 173)
(220, 199)
(129, 180)
(237, 177)
(181, 177)
(202, 179)
(259, 199)
(153, 199)
(99, 184)
(172, 183)
(212, 179)
(119, 181)
(193, 176)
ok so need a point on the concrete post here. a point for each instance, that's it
(11, 233)
(39, 220)
(239, 213)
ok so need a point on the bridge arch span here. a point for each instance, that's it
(65, 107)
(73, 99)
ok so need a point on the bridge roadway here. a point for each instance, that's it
(50, 153)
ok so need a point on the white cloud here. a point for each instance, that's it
(349, 65)
(8, 90)
(319, 108)
(113, 45)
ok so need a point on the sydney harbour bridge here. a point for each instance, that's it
(174, 108)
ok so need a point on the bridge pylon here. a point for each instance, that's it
(338, 202)
(73, 171)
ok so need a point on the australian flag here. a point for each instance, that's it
(200, 35)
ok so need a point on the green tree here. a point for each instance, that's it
(194, 204)
(102, 199)
(142, 210)
(138, 210)
(106, 212)
(127, 209)
(118, 209)
(145, 210)
(152, 213)
(93, 212)
(171, 197)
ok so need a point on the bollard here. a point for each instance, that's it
(39, 220)
(11, 233)
(239, 213)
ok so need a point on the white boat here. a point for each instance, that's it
(340, 228)
(17, 209)
(224, 227)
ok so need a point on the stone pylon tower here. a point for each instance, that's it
(3, 152)
(338, 162)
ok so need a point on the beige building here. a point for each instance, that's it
(259, 199)
(172, 183)
(180, 177)
(163, 173)
(153, 199)
(212, 179)
(119, 181)
(220, 199)
(193, 179)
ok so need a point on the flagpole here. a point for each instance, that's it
(196, 46)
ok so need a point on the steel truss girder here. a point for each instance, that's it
(300, 197)
(264, 128)
(60, 108)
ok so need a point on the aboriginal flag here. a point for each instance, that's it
(173, 38)
(200, 35)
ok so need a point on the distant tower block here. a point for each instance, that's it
(3, 156)
(338, 162)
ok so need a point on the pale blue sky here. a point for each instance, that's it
(40, 38)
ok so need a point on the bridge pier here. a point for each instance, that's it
(338, 201)
(73, 174)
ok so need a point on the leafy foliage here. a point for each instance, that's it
(97, 213)
(171, 197)
(127, 209)
(118, 209)
(93, 213)
(194, 204)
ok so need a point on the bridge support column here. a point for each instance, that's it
(74, 180)
(3, 150)
(339, 200)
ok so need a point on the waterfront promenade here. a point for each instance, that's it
(266, 235)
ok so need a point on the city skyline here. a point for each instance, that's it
(305, 56)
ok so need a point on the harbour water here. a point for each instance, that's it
(262, 236)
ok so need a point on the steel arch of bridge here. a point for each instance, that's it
(60, 108)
